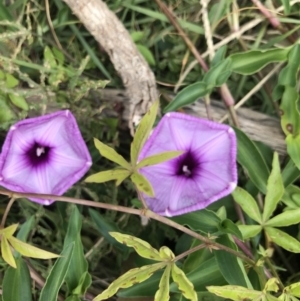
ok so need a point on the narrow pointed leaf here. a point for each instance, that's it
(233, 292)
(293, 148)
(250, 230)
(19, 101)
(142, 132)
(248, 204)
(108, 175)
(7, 253)
(283, 239)
(142, 184)
(155, 159)
(130, 278)
(21, 281)
(287, 218)
(184, 284)
(251, 158)
(163, 293)
(275, 189)
(29, 250)
(141, 247)
(57, 275)
(110, 154)
(9, 231)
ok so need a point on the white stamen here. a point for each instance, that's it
(46, 202)
(186, 170)
(167, 213)
(230, 130)
(232, 186)
(168, 114)
(40, 150)
(12, 128)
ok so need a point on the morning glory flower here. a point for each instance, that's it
(44, 155)
(203, 174)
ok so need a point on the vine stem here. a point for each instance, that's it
(144, 212)
(7, 209)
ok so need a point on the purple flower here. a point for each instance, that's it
(44, 155)
(206, 171)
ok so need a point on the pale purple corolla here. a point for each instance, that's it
(44, 154)
(203, 174)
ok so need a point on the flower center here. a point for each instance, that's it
(186, 165)
(38, 154)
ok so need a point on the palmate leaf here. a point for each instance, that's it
(284, 219)
(142, 132)
(163, 293)
(141, 247)
(156, 159)
(183, 283)
(7, 253)
(29, 250)
(130, 278)
(119, 174)
(142, 184)
(110, 154)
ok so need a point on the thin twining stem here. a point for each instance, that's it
(144, 212)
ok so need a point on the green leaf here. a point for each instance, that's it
(287, 218)
(164, 286)
(146, 53)
(141, 247)
(78, 263)
(293, 289)
(49, 59)
(18, 101)
(130, 278)
(283, 239)
(142, 132)
(29, 250)
(104, 227)
(254, 60)
(156, 159)
(7, 253)
(17, 283)
(218, 74)
(25, 229)
(275, 189)
(202, 220)
(11, 81)
(287, 6)
(231, 266)
(187, 96)
(293, 148)
(249, 231)
(233, 292)
(137, 36)
(229, 227)
(84, 283)
(290, 173)
(110, 154)
(250, 158)
(142, 184)
(272, 285)
(57, 275)
(183, 283)
(219, 56)
(166, 254)
(104, 176)
(248, 204)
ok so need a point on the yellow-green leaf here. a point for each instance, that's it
(293, 289)
(9, 231)
(184, 284)
(11, 81)
(29, 250)
(130, 278)
(249, 230)
(7, 253)
(272, 285)
(234, 292)
(142, 132)
(19, 101)
(141, 247)
(164, 286)
(275, 189)
(142, 184)
(111, 154)
(248, 203)
(156, 159)
(108, 175)
(166, 253)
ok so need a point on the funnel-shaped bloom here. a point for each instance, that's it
(44, 155)
(203, 174)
